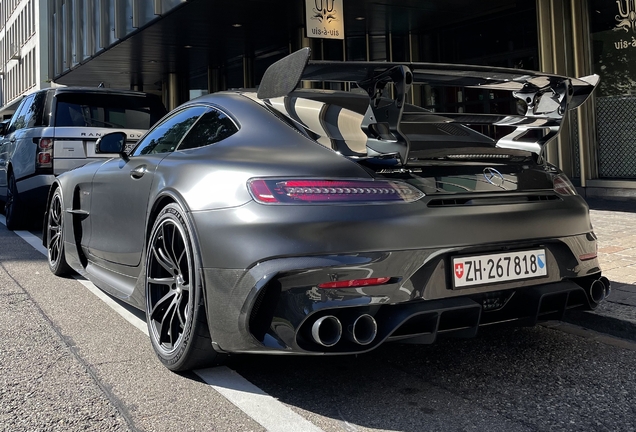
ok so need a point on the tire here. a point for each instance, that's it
(175, 314)
(13, 207)
(55, 236)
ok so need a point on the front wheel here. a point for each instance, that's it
(55, 236)
(175, 315)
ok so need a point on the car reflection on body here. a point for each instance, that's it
(296, 221)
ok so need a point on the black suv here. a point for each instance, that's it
(55, 130)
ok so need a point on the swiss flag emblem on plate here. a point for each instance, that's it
(459, 270)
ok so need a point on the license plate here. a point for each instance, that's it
(509, 266)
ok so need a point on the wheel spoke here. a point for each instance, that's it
(162, 301)
(164, 325)
(182, 317)
(163, 260)
(165, 249)
(167, 323)
(185, 287)
(179, 262)
(174, 329)
(56, 235)
(168, 281)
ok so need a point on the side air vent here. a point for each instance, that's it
(454, 202)
(543, 198)
(263, 308)
(448, 202)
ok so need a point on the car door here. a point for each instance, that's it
(121, 189)
(8, 145)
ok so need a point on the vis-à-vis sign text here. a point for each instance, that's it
(325, 19)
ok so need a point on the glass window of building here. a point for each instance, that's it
(613, 28)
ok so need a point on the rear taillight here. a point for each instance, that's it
(563, 186)
(44, 158)
(354, 283)
(269, 191)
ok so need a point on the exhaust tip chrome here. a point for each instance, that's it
(607, 284)
(363, 330)
(327, 331)
(597, 291)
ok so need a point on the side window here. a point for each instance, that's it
(213, 126)
(17, 121)
(166, 135)
(33, 110)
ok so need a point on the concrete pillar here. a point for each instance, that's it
(586, 113)
(552, 56)
(173, 90)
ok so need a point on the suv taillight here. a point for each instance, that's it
(44, 157)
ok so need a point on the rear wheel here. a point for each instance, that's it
(13, 207)
(175, 313)
(55, 236)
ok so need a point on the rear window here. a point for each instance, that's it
(107, 110)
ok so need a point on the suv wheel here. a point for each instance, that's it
(13, 208)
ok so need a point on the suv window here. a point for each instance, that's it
(34, 109)
(107, 110)
(213, 126)
(166, 136)
(17, 121)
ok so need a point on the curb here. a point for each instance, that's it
(602, 324)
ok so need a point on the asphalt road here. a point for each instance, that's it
(70, 362)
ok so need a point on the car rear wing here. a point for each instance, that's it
(545, 97)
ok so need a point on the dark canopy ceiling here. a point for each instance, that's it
(202, 33)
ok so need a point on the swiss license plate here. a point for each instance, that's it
(129, 147)
(491, 268)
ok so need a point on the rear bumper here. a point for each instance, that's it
(273, 306)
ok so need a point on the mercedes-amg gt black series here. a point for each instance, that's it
(296, 220)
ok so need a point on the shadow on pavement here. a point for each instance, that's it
(612, 205)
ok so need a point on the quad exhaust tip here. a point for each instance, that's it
(327, 331)
(597, 291)
(607, 284)
(363, 330)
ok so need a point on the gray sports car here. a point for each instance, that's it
(293, 220)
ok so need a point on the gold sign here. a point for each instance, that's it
(324, 19)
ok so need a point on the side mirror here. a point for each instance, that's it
(114, 142)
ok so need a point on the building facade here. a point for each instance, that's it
(23, 51)
(181, 49)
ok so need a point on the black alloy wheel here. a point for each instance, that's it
(55, 236)
(175, 315)
(13, 206)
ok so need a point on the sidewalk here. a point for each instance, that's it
(615, 225)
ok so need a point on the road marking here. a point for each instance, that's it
(267, 411)
(253, 401)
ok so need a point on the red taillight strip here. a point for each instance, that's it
(261, 192)
(354, 283)
(272, 191)
(589, 256)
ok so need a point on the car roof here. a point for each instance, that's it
(96, 90)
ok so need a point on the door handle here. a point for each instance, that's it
(138, 172)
